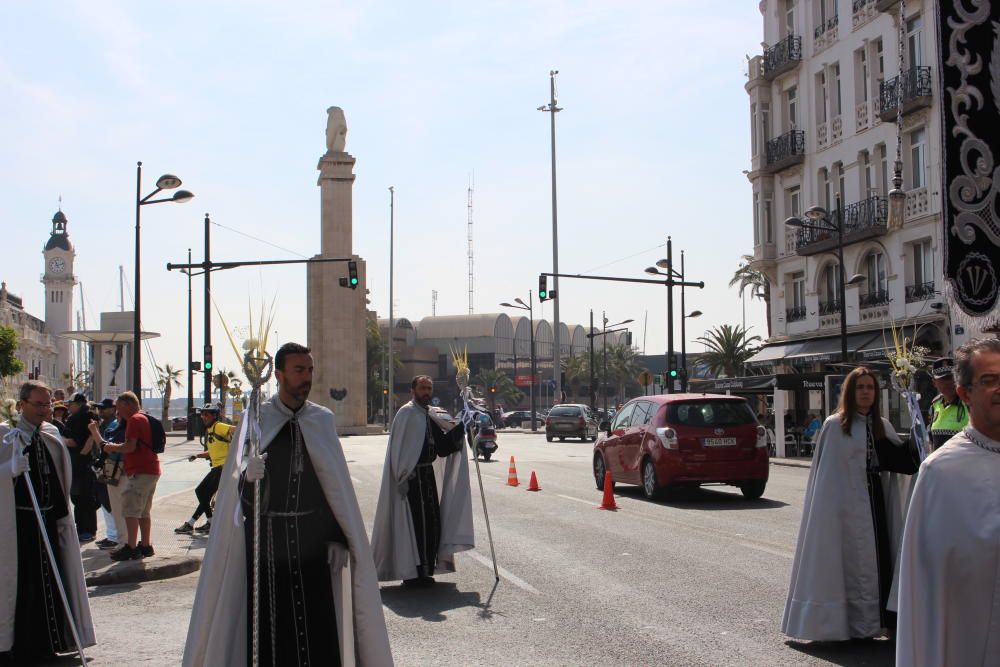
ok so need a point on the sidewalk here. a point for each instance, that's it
(176, 555)
(793, 461)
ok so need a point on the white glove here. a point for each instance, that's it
(339, 556)
(20, 465)
(256, 465)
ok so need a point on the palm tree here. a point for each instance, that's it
(170, 377)
(505, 388)
(749, 278)
(221, 381)
(727, 348)
(377, 375)
(576, 369)
(622, 367)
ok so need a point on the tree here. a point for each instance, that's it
(505, 388)
(749, 278)
(727, 349)
(169, 377)
(623, 368)
(378, 379)
(10, 366)
(221, 381)
(576, 369)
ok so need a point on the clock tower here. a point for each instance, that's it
(59, 281)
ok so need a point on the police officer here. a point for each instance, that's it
(948, 415)
(217, 438)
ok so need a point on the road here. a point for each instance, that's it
(699, 579)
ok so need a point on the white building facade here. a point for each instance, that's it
(823, 106)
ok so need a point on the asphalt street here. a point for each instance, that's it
(697, 579)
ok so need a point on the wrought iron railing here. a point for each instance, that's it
(782, 54)
(916, 83)
(831, 307)
(872, 299)
(788, 145)
(862, 216)
(858, 5)
(919, 292)
(829, 24)
(795, 314)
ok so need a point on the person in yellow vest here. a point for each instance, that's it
(948, 414)
(217, 438)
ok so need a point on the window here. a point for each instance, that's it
(830, 283)
(768, 222)
(879, 60)
(792, 201)
(864, 159)
(642, 414)
(883, 169)
(799, 290)
(753, 129)
(923, 262)
(824, 187)
(918, 158)
(841, 192)
(875, 268)
(914, 41)
(719, 412)
(790, 102)
(756, 218)
(789, 17)
(836, 100)
(765, 121)
(821, 97)
(623, 418)
(864, 75)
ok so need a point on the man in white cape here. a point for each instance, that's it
(949, 582)
(219, 627)
(418, 473)
(17, 518)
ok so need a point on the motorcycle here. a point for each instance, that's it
(484, 440)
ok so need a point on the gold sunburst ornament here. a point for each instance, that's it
(462, 372)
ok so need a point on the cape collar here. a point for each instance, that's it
(979, 439)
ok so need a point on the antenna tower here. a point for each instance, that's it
(434, 302)
(469, 206)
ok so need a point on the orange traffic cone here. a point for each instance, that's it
(608, 502)
(512, 474)
(533, 484)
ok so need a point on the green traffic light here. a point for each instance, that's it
(542, 294)
(673, 373)
(208, 365)
(354, 281)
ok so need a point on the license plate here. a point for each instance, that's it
(719, 442)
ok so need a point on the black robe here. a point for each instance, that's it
(298, 622)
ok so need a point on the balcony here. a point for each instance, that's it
(784, 151)
(874, 299)
(782, 57)
(862, 220)
(831, 307)
(885, 5)
(916, 92)
(862, 11)
(919, 292)
(825, 33)
(795, 314)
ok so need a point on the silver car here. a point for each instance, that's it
(571, 420)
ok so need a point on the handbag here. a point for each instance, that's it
(902, 459)
(110, 472)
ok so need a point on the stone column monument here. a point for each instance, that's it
(336, 320)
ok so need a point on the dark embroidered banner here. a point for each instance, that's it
(970, 110)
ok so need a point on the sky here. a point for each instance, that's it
(231, 97)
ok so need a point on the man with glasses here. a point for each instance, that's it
(949, 570)
(34, 623)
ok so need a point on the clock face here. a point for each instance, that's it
(57, 265)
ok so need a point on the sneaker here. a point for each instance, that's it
(145, 550)
(185, 528)
(105, 544)
(204, 528)
(126, 553)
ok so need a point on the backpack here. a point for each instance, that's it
(159, 435)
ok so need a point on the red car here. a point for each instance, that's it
(684, 440)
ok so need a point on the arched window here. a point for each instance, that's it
(829, 289)
(876, 285)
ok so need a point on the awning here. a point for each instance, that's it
(814, 350)
(878, 347)
(758, 384)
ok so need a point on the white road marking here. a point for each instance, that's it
(517, 581)
(579, 500)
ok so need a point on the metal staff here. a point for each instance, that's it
(467, 394)
(54, 563)
(258, 372)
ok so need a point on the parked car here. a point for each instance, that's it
(571, 420)
(178, 423)
(672, 440)
(515, 418)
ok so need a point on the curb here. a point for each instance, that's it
(792, 463)
(139, 571)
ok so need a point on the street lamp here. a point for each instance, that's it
(530, 307)
(165, 182)
(667, 263)
(552, 109)
(684, 358)
(820, 220)
(605, 330)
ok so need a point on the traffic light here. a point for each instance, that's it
(352, 274)
(543, 288)
(385, 391)
(673, 372)
(208, 358)
(628, 339)
(493, 390)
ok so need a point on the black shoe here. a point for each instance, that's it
(185, 528)
(126, 553)
(106, 544)
(86, 537)
(204, 528)
(146, 550)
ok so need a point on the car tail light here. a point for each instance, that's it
(761, 437)
(667, 437)
(548, 421)
(582, 422)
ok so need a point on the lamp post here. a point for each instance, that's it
(605, 330)
(684, 358)
(668, 264)
(190, 372)
(165, 182)
(390, 364)
(530, 307)
(552, 109)
(820, 220)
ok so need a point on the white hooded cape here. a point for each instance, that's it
(217, 631)
(834, 589)
(394, 541)
(949, 582)
(68, 549)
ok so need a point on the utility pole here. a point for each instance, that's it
(390, 364)
(208, 310)
(190, 371)
(434, 302)
(469, 207)
(552, 110)
(593, 392)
